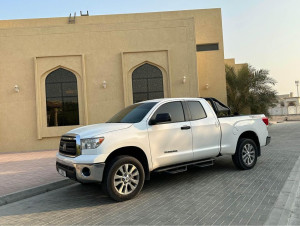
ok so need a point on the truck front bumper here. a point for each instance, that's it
(85, 173)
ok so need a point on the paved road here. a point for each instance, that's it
(215, 195)
(20, 171)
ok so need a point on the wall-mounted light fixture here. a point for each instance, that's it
(17, 89)
(104, 84)
(184, 79)
(206, 86)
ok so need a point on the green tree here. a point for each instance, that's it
(249, 87)
(237, 85)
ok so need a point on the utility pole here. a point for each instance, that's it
(297, 104)
(297, 84)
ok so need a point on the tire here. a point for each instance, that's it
(124, 178)
(246, 153)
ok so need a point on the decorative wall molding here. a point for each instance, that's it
(45, 65)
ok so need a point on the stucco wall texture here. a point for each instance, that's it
(96, 49)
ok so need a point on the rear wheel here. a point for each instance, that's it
(246, 153)
(124, 178)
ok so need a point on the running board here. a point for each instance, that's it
(177, 170)
(183, 167)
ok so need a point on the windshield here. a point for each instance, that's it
(132, 114)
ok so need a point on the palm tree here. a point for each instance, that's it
(249, 87)
(238, 85)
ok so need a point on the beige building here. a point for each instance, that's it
(287, 104)
(59, 73)
(231, 62)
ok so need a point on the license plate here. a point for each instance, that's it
(62, 172)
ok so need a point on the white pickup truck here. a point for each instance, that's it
(155, 136)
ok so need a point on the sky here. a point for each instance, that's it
(262, 33)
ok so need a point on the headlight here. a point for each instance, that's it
(91, 143)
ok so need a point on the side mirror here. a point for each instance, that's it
(161, 118)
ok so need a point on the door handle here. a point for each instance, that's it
(185, 127)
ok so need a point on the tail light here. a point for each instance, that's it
(265, 120)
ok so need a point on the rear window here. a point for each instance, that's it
(196, 109)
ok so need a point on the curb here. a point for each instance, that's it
(13, 197)
(285, 206)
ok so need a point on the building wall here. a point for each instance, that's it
(231, 62)
(286, 105)
(96, 49)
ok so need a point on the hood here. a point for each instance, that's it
(99, 129)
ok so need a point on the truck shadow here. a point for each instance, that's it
(91, 195)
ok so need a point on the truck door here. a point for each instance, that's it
(206, 130)
(170, 142)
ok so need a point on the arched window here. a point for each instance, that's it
(147, 83)
(62, 98)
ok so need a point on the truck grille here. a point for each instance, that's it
(68, 146)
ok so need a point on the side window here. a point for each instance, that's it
(196, 109)
(174, 109)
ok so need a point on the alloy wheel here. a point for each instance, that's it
(248, 154)
(126, 179)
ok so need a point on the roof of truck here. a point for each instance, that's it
(170, 99)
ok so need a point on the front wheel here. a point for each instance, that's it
(246, 153)
(124, 178)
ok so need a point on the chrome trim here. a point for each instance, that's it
(96, 169)
(78, 145)
(70, 156)
(67, 138)
(72, 136)
(171, 151)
